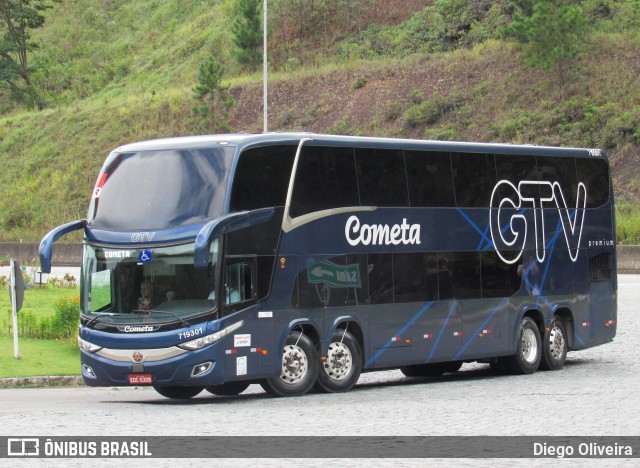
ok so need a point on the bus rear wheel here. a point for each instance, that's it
(554, 346)
(178, 391)
(341, 370)
(227, 389)
(529, 352)
(299, 368)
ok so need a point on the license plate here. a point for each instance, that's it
(140, 379)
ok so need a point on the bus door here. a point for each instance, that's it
(239, 294)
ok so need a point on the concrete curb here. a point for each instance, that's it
(42, 381)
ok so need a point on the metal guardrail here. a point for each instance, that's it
(71, 255)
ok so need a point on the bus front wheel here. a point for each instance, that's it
(341, 370)
(529, 353)
(554, 346)
(299, 368)
(178, 392)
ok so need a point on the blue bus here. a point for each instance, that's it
(298, 261)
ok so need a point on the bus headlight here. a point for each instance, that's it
(203, 341)
(88, 347)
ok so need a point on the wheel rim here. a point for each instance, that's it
(529, 346)
(556, 343)
(294, 364)
(339, 363)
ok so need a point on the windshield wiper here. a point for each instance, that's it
(97, 318)
(140, 311)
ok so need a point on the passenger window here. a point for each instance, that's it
(474, 177)
(499, 279)
(381, 177)
(594, 174)
(332, 282)
(415, 277)
(325, 179)
(516, 168)
(380, 278)
(562, 170)
(459, 275)
(430, 179)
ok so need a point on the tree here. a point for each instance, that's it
(554, 31)
(215, 100)
(17, 19)
(247, 33)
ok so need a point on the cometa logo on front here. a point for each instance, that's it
(138, 329)
(381, 234)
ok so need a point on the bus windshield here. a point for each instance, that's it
(160, 189)
(147, 286)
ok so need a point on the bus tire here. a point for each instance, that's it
(299, 368)
(529, 350)
(341, 370)
(180, 392)
(228, 388)
(554, 346)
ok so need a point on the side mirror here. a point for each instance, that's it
(46, 245)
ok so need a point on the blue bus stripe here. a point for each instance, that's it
(473, 225)
(480, 328)
(435, 345)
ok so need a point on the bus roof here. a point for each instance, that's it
(243, 140)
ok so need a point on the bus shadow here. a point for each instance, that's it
(478, 372)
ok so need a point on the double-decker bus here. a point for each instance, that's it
(301, 260)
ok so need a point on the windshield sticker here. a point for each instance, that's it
(117, 253)
(145, 256)
(241, 365)
(338, 276)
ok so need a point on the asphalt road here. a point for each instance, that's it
(595, 394)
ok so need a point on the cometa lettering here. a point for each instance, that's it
(381, 234)
(145, 328)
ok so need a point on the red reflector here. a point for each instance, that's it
(140, 379)
(102, 178)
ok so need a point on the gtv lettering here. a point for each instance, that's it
(509, 227)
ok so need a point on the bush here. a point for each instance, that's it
(62, 325)
(66, 319)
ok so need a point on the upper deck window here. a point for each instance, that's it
(326, 179)
(161, 189)
(381, 177)
(262, 177)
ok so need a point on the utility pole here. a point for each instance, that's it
(16, 295)
(264, 67)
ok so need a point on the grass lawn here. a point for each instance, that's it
(38, 357)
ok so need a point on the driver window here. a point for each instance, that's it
(239, 282)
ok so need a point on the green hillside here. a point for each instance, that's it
(114, 71)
